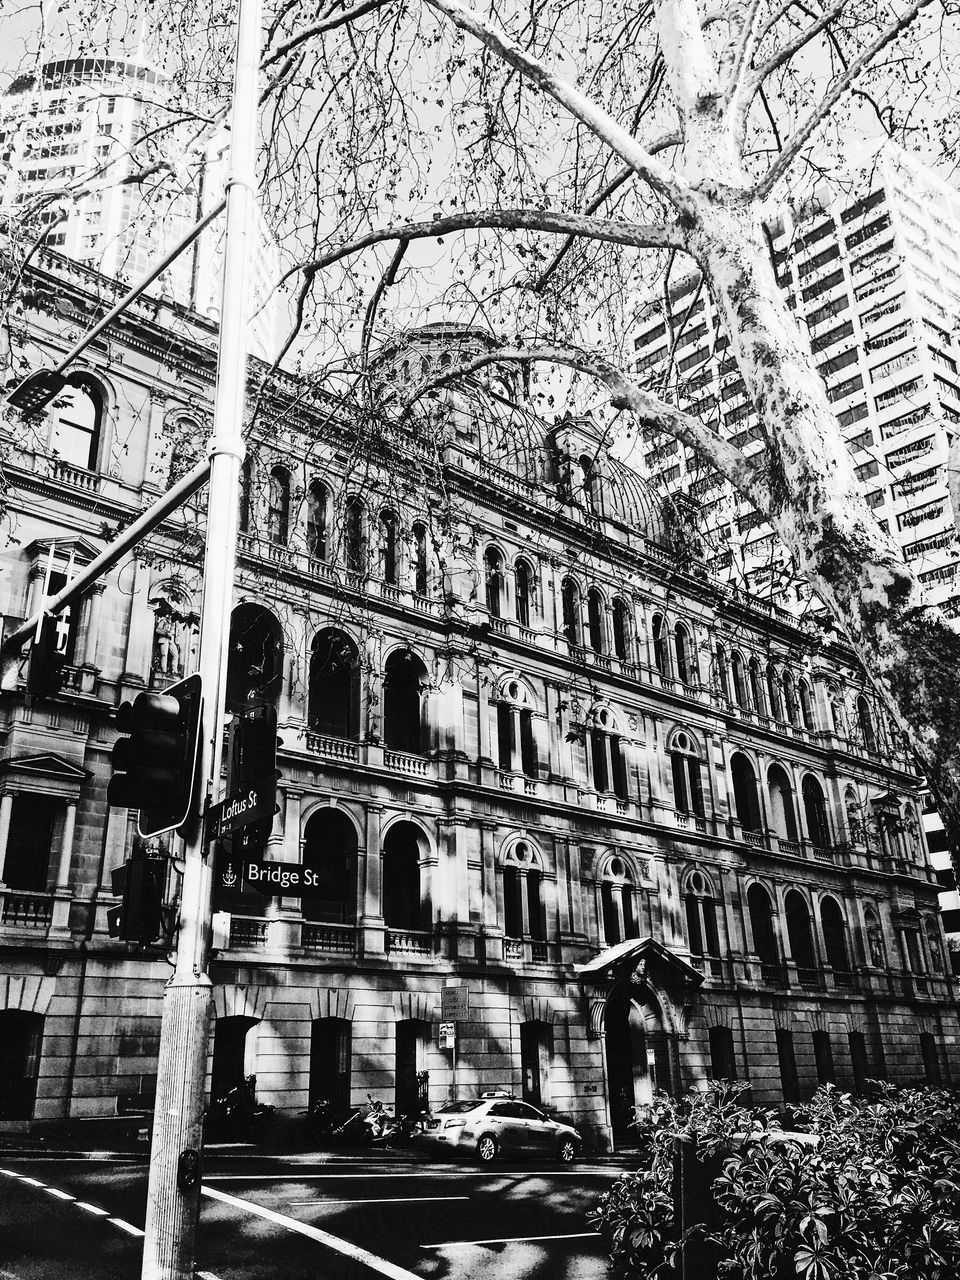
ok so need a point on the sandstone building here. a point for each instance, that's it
(659, 831)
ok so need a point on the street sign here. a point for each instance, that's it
(279, 879)
(239, 810)
(454, 1004)
(448, 1035)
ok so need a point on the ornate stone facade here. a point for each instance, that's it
(659, 831)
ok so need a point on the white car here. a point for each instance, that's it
(488, 1127)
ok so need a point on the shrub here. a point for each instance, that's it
(874, 1194)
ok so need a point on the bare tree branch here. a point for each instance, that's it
(329, 23)
(601, 123)
(838, 86)
(550, 221)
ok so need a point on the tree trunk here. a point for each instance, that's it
(906, 646)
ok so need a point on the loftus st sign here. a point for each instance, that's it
(239, 810)
(291, 879)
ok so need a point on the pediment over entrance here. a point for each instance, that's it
(634, 957)
(45, 765)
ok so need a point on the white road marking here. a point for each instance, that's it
(32, 1182)
(61, 1195)
(92, 1208)
(349, 1250)
(459, 1173)
(130, 1229)
(383, 1200)
(206, 1275)
(459, 1244)
(8, 1173)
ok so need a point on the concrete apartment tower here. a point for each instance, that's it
(876, 280)
(74, 134)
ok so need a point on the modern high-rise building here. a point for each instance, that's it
(74, 137)
(876, 281)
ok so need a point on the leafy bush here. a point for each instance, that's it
(872, 1194)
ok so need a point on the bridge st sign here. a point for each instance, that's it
(279, 879)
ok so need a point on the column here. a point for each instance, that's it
(371, 918)
(616, 893)
(139, 655)
(562, 885)
(576, 889)
(288, 846)
(524, 902)
(86, 648)
(66, 846)
(6, 809)
(159, 446)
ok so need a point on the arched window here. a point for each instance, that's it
(278, 510)
(388, 546)
(75, 417)
(403, 906)
(764, 933)
(588, 480)
(701, 913)
(756, 685)
(687, 777)
(570, 602)
(595, 619)
(354, 541)
(606, 755)
(246, 495)
(515, 741)
(403, 681)
(865, 723)
(617, 908)
(800, 938)
(621, 629)
(334, 692)
(255, 660)
(790, 704)
(686, 658)
(412, 1076)
(318, 507)
(21, 1038)
(783, 817)
(523, 580)
(873, 932)
(657, 630)
(522, 906)
(420, 576)
(774, 701)
(738, 674)
(745, 797)
(493, 571)
(815, 812)
(834, 940)
(330, 852)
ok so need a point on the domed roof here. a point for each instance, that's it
(495, 420)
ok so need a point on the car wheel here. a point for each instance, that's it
(567, 1151)
(487, 1148)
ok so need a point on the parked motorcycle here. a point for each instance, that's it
(237, 1116)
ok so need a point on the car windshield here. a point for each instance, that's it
(457, 1108)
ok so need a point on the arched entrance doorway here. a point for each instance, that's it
(638, 1057)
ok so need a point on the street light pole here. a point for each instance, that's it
(173, 1193)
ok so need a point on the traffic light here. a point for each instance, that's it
(156, 762)
(253, 763)
(139, 882)
(48, 657)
